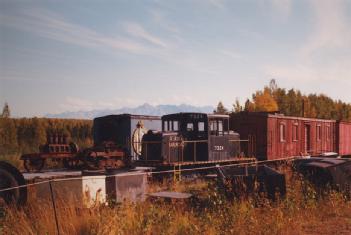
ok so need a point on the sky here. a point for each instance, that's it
(58, 56)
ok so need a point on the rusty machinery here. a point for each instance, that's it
(59, 149)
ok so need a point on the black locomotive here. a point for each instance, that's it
(191, 138)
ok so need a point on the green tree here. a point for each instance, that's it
(237, 107)
(6, 111)
(8, 136)
(220, 109)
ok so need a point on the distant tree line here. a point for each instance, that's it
(292, 103)
(25, 135)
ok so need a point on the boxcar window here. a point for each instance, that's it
(190, 126)
(175, 126)
(295, 132)
(328, 133)
(201, 126)
(282, 132)
(318, 133)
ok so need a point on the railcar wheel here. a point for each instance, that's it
(91, 162)
(70, 163)
(8, 181)
(11, 177)
(34, 165)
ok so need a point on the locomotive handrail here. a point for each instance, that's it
(195, 141)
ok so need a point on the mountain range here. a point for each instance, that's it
(145, 109)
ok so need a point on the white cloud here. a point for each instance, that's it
(138, 31)
(217, 3)
(79, 104)
(324, 54)
(231, 54)
(282, 6)
(332, 30)
(74, 104)
(50, 25)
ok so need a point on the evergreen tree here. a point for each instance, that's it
(220, 109)
(237, 107)
(8, 136)
(249, 106)
(6, 111)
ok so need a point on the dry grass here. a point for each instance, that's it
(211, 213)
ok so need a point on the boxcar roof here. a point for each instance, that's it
(214, 115)
(282, 116)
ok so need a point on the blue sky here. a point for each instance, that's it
(60, 56)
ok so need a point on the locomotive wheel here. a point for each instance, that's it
(70, 163)
(111, 163)
(91, 165)
(34, 165)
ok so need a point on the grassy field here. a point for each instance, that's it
(209, 213)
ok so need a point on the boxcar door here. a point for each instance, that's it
(307, 140)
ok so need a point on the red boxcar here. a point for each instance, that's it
(344, 138)
(272, 136)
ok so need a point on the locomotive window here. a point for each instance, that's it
(201, 126)
(190, 126)
(282, 132)
(175, 125)
(213, 126)
(220, 127)
(165, 125)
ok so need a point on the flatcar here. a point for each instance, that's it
(191, 138)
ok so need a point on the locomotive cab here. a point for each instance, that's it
(191, 137)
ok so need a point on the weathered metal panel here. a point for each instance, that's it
(324, 173)
(251, 127)
(130, 186)
(246, 180)
(85, 192)
(344, 138)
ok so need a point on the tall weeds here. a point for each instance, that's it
(210, 213)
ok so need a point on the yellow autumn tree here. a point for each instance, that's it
(264, 101)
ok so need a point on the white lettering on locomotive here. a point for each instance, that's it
(218, 147)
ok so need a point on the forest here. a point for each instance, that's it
(25, 135)
(292, 102)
